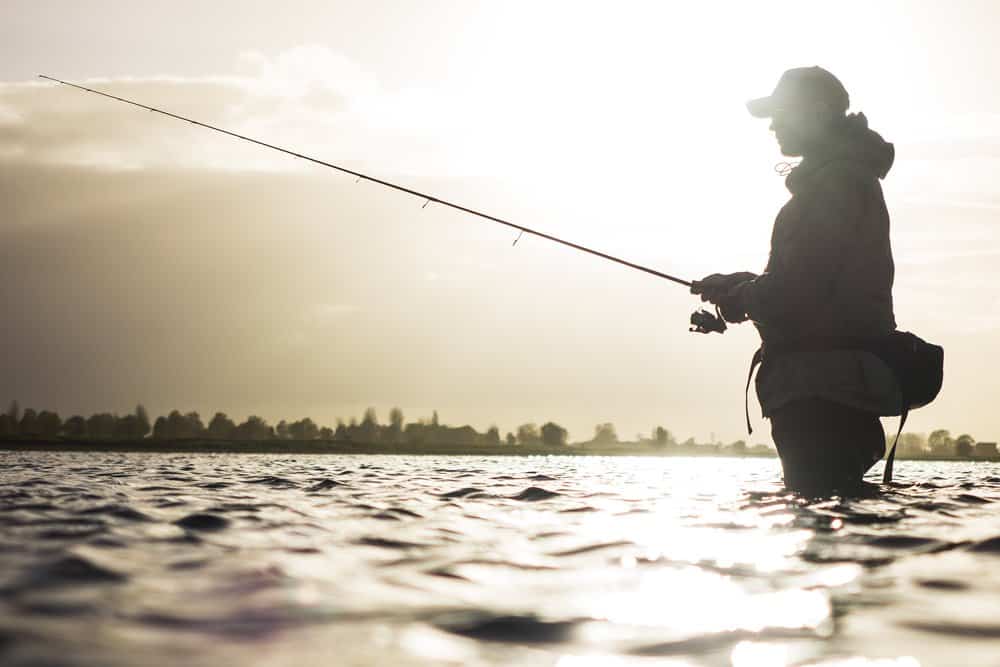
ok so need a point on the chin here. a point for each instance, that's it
(790, 151)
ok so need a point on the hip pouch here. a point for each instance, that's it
(917, 365)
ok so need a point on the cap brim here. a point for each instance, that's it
(762, 107)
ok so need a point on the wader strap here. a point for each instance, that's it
(754, 363)
(887, 472)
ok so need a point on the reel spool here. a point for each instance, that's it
(702, 321)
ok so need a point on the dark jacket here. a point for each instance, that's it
(829, 275)
(830, 270)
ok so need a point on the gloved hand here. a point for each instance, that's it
(726, 290)
(716, 286)
(732, 305)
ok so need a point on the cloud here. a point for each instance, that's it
(60, 125)
(308, 71)
(307, 98)
(310, 99)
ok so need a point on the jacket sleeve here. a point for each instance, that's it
(813, 251)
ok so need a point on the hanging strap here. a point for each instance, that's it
(887, 472)
(754, 363)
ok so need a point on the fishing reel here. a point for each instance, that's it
(702, 321)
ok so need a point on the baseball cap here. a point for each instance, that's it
(802, 86)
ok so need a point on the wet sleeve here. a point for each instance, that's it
(815, 249)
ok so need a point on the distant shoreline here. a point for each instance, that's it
(299, 447)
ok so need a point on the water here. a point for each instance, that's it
(153, 559)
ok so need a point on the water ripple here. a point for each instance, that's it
(209, 559)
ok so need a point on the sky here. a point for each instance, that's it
(146, 260)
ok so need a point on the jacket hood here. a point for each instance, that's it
(854, 142)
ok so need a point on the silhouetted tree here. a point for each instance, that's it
(195, 427)
(281, 430)
(221, 427)
(14, 413)
(434, 419)
(964, 445)
(8, 426)
(527, 434)
(605, 434)
(662, 437)
(510, 439)
(394, 432)
(179, 427)
(554, 434)
(368, 430)
(49, 424)
(340, 433)
(326, 433)
(254, 428)
(128, 428)
(941, 443)
(911, 445)
(101, 426)
(463, 435)
(75, 427)
(134, 426)
(176, 425)
(492, 436)
(29, 423)
(161, 429)
(304, 429)
(352, 431)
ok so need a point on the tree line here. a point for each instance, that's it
(189, 426)
(941, 444)
(176, 426)
(47, 424)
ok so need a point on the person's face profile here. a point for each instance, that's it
(796, 126)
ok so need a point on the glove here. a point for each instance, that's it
(717, 286)
(732, 305)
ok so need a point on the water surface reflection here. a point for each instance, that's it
(156, 559)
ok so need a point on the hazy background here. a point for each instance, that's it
(145, 260)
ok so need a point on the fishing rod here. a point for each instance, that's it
(702, 321)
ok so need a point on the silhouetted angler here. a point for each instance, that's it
(829, 278)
